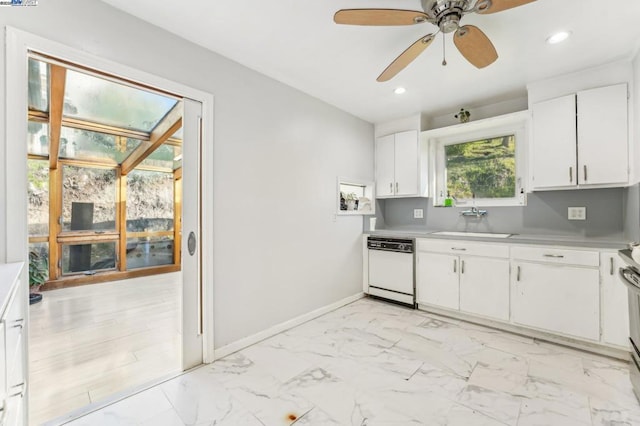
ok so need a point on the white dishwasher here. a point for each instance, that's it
(391, 270)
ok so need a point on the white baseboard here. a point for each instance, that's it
(279, 328)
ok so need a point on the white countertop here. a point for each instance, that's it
(9, 272)
(556, 240)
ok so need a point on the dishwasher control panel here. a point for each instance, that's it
(400, 245)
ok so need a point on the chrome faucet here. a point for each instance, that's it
(474, 212)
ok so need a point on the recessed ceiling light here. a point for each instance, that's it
(399, 90)
(558, 37)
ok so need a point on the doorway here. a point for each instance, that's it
(90, 255)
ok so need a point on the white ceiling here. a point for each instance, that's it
(297, 43)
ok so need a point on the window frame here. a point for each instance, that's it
(513, 124)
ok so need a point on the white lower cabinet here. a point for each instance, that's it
(437, 280)
(614, 301)
(558, 298)
(484, 287)
(452, 275)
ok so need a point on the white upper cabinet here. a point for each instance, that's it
(399, 166)
(602, 136)
(554, 147)
(385, 166)
(581, 139)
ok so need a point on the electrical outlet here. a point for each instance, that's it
(577, 213)
(418, 213)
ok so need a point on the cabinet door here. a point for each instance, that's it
(484, 286)
(437, 279)
(554, 143)
(385, 164)
(603, 135)
(563, 299)
(406, 163)
(615, 302)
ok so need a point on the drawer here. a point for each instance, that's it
(557, 255)
(465, 248)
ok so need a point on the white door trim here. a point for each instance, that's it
(18, 45)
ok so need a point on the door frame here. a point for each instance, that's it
(18, 45)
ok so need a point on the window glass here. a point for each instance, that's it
(81, 258)
(38, 85)
(150, 201)
(143, 252)
(481, 169)
(88, 198)
(38, 138)
(38, 195)
(102, 101)
(41, 257)
(87, 145)
(166, 156)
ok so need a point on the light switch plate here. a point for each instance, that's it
(577, 213)
(418, 213)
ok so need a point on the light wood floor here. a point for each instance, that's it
(87, 343)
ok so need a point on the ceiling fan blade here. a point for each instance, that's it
(379, 17)
(475, 46)
(500, 5)
(406, 57)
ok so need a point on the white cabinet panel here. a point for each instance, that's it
(554, 143)
(615, 302)
(406, 163)
(437, 279)
(556, 298)
(556, 255)
(602, 135)
(484, 286)
(385, 166)
(463, 247)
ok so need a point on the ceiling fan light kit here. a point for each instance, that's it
(472, 42)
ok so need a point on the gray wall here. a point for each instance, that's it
(277, 155)
(544, 214)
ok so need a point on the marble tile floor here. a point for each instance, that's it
(373, 363)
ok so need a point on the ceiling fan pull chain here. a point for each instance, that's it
(444, 52)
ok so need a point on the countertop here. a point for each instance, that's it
(554, 240)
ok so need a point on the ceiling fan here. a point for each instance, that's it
(474, 45)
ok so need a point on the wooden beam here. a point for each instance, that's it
(87, 238)
(163, 131)
(121, 221)
(57, 81)
(177, 217)
(55, 212)
(106, 276)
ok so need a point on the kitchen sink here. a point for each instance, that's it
(471, 234)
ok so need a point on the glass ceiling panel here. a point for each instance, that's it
(166, 156)
(38, 138)
(102, 101)
(87, 145)
(38, 85)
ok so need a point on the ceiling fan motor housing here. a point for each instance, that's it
(446, 14)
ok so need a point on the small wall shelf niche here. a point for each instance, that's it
(355, 197)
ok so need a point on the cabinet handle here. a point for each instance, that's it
(585, 172)
(458, 249)
(570, 174)
(18, 323)
(554, 256)
(462, 266)
(518, 274)
(455, 265)
(611, 266)
(390, 187)
(397, 187)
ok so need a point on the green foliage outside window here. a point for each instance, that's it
(482, 169)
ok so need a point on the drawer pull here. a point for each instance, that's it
(518, 274)
(455, 266)
(462, 266)
(611, 266)
(18, 323)
(554, 256)
(458, 249)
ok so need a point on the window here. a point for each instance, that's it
(482, 167)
